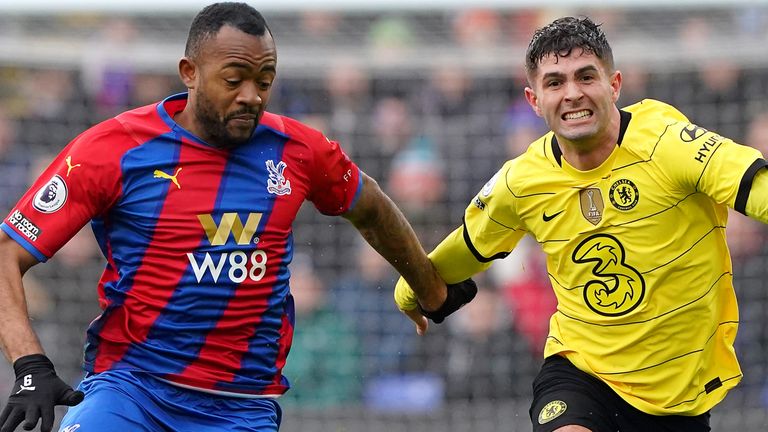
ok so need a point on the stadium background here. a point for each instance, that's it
(426, 98)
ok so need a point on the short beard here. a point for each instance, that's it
(216, 129)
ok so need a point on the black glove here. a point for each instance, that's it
(36, 391)
(459, 294)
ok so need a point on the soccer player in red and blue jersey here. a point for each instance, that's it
(192, 201)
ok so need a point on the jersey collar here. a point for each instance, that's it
(625, 118)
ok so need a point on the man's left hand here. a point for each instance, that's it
(459, 294)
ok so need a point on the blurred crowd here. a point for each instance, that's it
(431, 133)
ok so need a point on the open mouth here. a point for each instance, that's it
(577, 115)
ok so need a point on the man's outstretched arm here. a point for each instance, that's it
(456, 264)
(17, 338)
(37, 389)
(385, 228)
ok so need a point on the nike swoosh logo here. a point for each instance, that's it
(549, 218)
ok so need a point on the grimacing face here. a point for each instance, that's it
(231, 85)
(575, 95)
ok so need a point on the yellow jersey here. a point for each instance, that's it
(636, 254)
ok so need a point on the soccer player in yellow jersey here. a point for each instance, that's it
(630, 206)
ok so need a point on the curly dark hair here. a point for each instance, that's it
(212, 18)
(562, 36)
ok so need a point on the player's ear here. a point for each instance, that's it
(188, 72)
(616, 84)
(533, 101)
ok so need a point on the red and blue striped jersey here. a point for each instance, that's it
(197, 241)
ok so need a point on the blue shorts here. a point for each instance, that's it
(137, 402)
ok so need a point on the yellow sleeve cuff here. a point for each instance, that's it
(454, 263)
(405, 298)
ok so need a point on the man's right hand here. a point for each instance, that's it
(35, 394)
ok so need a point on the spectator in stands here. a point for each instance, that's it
(55, 110)
(108, 75)
(477, 29)
(637, 85)
(416, 182)
(393, 128)
(321, 27)
(461, 117)
(390, 38)
(14, 164)
(480, 355)
(363, 294)
(150, 87)
(717, 95)
(448, 96)
(718, 100)
(349, 104)
(325, 357)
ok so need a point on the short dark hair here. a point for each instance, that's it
(562, 36)
(212, 18)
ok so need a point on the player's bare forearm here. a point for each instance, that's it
(385, 228)
(17, 338)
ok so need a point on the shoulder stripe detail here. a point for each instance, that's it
(558, 341)
(686, 251)
(746, 185)
(506, 183)
(477, 253)
(650, 157)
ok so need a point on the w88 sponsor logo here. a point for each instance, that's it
(242, 265)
